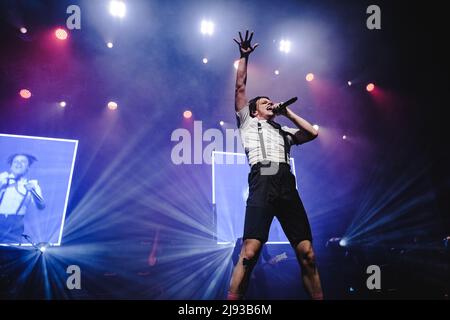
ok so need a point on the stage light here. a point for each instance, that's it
(25, 93)
(207, 27)
(370, 87)
(276, 72)
(62, 104)
(343, 242)
(221, 123)
(42, 246)
(61, 34)
(205, 60)
(316, 127)
(23, 30)
(110, 45)
(344, 137)
(117, 8)
(310, 77)
(236, 64)
(349, 83)
(187, 114)
(112, 105)
(285, 46)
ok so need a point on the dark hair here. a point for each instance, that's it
(252, 104)
(30, 158)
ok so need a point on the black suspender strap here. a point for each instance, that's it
(3, 189)
(284, 135)
(261, 141)
(22, 202)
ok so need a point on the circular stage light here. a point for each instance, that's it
(310, 77)
(117, 9)
(61, 34)
(25, 93)
(207, 27)
(112, 105)
(187, 114)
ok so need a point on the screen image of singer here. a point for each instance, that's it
(229, 196)
(35, 178)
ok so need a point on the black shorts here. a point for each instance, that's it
(275, 196)
(11, 228)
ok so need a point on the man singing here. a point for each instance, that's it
(272, 187)
(16, 194)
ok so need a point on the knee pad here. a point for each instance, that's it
(249, 263)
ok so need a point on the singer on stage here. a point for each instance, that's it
(16, 194)
(272, 187)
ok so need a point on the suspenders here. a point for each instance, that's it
(24, 196)
(283, 134)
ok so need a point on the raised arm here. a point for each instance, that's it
(245, 48)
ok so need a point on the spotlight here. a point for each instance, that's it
(187, 114)
(110, 45)
(61, 34)
(370, 87)
(344, 137)
(42, 246)
(236, 64)
(343, 242)
(112, 105)
(221, 123)
(349, 83)
(25, 93)
(316, 127)
(62, 104)
(276, 72)
(207, 27)
(285, 46)
(205, 60)
(117, 8)
(23, 30)
(310, 77)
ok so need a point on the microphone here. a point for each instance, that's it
(283, 105)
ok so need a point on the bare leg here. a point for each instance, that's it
(310, 273)
(241, 272)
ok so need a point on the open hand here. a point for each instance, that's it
(245, 46)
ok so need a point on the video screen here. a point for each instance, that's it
(35, 178)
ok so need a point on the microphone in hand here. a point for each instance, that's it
(281, 107)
